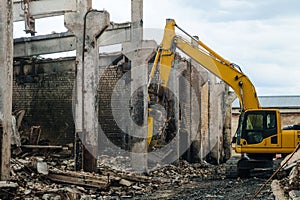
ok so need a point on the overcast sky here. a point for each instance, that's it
(261, 36)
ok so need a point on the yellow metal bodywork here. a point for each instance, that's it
(287, 141)
(150, 130)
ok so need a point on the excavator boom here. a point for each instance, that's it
(210, 60)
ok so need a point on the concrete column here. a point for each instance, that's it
(216, 118)
(6, 76)
(229, 98)
(185, 88)
(138, 52)
(204, 140)
(199, 77)
(174, 85)
(87, 78)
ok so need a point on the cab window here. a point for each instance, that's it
(259, 125)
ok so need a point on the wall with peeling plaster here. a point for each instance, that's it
(44, 88)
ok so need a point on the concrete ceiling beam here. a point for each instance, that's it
(62, 42)
(39, 10)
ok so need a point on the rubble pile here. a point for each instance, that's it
(287, 184)
(117, 163)
(38, 177)
(177, 170)
(288, 187)
(30, 181)
(186, 172)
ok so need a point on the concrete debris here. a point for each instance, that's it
(292, 162)
(54, 178)
(277, 190)
(288, 185)
(7, 188)
(294, 178)
(125, 182)
(294, 194)
(6, 184)
(185, 171)
(42, 167)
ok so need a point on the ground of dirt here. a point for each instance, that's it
(214, 189)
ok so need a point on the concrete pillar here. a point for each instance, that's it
(185, 106)
(216, 119)
(229, 98)
(204, 121)
(174, 86)
(198, 78)
(138, 51)
(139, 76)
(87, 78)
(6, 76)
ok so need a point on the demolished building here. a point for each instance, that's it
(70, 99)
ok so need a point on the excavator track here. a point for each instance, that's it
(234, 169)
(231, 167)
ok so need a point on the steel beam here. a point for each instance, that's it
(44, 8)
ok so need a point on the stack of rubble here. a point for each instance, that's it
(48, 178)
(184, 172)
(287, 186)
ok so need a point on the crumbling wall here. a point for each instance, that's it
(45, 88)
(205, 109)
(218, 117)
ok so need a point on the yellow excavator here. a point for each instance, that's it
(259, 136)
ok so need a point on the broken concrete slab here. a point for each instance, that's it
(294, 194)
(8, 184)
(277, 190)
(42, 167)
(125, 182)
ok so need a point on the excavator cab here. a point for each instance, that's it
(257, 128)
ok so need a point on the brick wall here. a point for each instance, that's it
(43, 88)
(111, 81)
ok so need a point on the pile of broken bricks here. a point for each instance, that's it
(45, 178)
(287, 184)
(38, 177)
